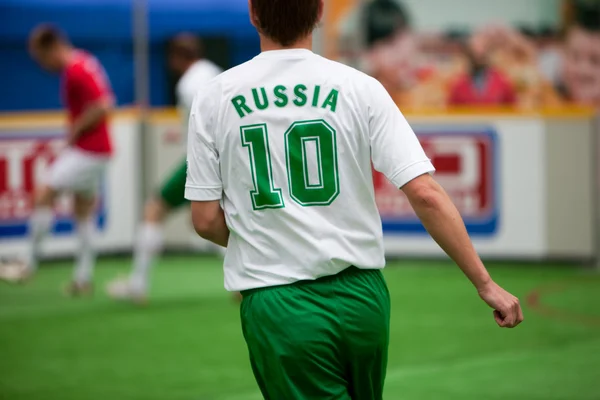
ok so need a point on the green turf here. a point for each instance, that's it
(187, 344)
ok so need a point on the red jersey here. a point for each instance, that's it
(493, 89)
(83, 83)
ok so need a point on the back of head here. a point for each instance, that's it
(45, 37)
(286, 21)
(186, 46)
(45, 44)
(183, 50)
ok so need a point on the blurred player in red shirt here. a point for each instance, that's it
(78, 169)
(481, 84)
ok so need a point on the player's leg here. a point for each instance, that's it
(295, 342)
(59, 177)
(83, 177)
(148, 245)
(84, 207)
(20, 270)
(364, 306)
(40, 224)
(149, 241)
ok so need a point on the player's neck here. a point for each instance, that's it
(189, 65)
(68, 54)
(267, 44)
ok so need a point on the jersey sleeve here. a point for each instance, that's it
(90, 82)
(203, 169)
(395, 149)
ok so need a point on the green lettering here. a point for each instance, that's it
(239, 102)
(327, 187)
(282, 99)
(265, 194)
(331, 100)
(301, 98)
(261, 105)
(315, 102)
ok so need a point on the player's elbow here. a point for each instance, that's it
(105, 105)
(204, 219)
(204, 226)
(424, 193)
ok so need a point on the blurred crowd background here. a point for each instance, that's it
(429, 54)
(522, 60)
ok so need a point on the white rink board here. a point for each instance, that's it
(505, 173)
(519, 183)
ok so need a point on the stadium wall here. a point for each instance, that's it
(523, 182)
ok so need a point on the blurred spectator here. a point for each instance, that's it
(581, 70)
(481, 84)
(395, 56)
(499, 66)
(545, 44)
(550, 54)
(517, 57)
(391, 46)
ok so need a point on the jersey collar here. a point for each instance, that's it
(286, 53)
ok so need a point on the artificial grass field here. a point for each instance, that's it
(187, 343)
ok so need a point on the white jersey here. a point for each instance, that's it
(197, 75)
(286, 142)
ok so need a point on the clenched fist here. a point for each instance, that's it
(507, 309)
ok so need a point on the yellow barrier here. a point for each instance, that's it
(23, 120)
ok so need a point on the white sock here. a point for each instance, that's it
(39, 226)
(148, 246)
(86, 257)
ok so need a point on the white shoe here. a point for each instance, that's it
(122, 289)
(15, 271)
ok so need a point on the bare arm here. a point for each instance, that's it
(91, 117)
(443, 222)
(445, 225)
(208, 219)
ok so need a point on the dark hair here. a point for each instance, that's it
(187, 46)
(587, 15)
(383, 18)
(47, 36)
(286, 21)
(548, 32)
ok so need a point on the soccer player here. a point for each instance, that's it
(78, 169)
(279, 171)
(186, 60)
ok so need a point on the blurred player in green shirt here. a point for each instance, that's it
(185, 59)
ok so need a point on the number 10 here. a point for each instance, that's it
(302, 191)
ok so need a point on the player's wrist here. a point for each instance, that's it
(483, 283)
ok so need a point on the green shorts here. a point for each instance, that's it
(172, 192)
(318, 340)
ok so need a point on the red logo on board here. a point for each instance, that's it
(465, 167)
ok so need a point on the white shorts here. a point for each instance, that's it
(77, 171)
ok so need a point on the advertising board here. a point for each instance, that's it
(466, 165)
(24, 161)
